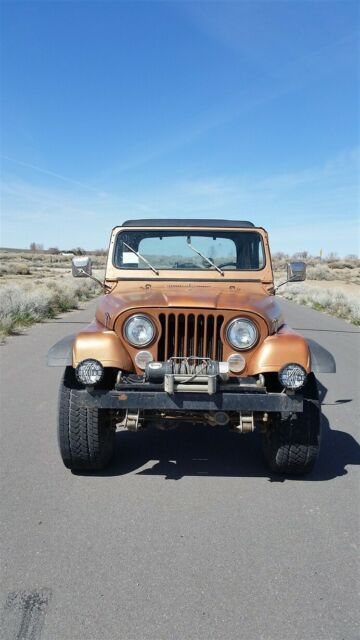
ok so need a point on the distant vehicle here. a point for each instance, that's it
(189, 329)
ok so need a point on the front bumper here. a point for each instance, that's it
(158, 400)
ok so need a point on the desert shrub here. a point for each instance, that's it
(319, 272)
(21, 307)
(19, 269)
(15, 268)
(59, 259)
(98, 261)
(332, 301)
(341, 265)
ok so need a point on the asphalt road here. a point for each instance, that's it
(187, 536)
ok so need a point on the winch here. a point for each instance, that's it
(189, 374)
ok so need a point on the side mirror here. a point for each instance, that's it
(296, 271)
(81, 267)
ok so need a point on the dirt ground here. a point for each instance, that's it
(23, 268)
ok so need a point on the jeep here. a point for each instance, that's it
(189, 329)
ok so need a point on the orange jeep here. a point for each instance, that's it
(189, 329)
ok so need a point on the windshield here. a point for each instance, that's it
(226, 250)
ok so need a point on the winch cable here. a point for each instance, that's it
(197, 373)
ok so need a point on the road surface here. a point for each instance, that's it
(186, 536)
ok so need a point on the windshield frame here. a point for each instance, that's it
(193, 232)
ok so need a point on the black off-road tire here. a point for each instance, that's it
(291, 445)
(86, 436)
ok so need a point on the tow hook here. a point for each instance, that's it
(246, 423)
(132, 421)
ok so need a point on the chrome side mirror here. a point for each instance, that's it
(81, 267)
(296, 271)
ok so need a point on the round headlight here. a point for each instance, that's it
(292, 376)
(242, 333)
(139, 330)
(89, 371)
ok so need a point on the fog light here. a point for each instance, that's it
(236, 362)
(89, 371)
(143, 358)
(292, 376)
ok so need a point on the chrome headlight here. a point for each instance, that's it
(292, 376)
(139, 330)
(89, 371)
(242, 333)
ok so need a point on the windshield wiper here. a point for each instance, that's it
(204, 257)
(141, 258)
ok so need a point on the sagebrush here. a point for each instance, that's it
(22, 306)
(333, 301)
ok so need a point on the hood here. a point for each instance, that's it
(191, 296)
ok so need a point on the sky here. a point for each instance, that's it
(237, 110)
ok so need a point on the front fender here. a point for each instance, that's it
(95, 341)
(278, 350)
(60, 354)
(288, 346)
(102, 344)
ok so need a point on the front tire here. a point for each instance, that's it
(291, 445)
(86, 436)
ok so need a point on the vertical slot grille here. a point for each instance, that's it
(192, 334)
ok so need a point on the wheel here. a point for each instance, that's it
(86, 436)
(291, 445)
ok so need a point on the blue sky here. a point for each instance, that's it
(242, 110)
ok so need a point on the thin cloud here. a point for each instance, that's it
(343, 166)
(323, 196)
(53, 174)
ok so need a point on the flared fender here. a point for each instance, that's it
(278, 350)
(286, 347)
(321, 360)
(95, 341)
(60, 354)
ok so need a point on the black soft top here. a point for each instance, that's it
(180, 222)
